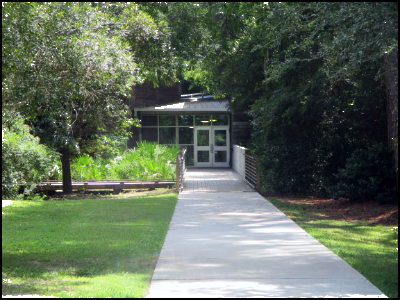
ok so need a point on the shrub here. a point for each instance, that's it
(23, 158)
(146, 161)
(369, 174)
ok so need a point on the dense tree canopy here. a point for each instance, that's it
(70, 67)
(312, 75)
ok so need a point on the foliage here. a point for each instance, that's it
(24, 160)
(310, 74)
(146, 161)
(69, 70)
(180, 35)
(369, 174)
(229, 59)
(304, 134)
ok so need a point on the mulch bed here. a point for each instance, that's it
(366, 211)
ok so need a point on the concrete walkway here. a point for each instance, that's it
(237, 244)
(214, 181)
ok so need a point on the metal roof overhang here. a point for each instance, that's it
(216, 106)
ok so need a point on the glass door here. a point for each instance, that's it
(220, 147)
(202, 140)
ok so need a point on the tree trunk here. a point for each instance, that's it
(66, 166)
(392, 97)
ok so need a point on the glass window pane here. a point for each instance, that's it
(186, 120)
(149, 134)
(220, 119)
(167, 121)
(220, 156)
(203, 137)
(167, 135)
(189, 155)
(149, 121)
(185, 135)
(220, 137)
(202, 120)
(203, 156)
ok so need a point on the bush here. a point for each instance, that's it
(146, 161)
(23, 158)
(369, 174)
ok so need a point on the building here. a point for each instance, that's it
(202, 124)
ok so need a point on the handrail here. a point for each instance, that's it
(180, 169)
(252, 170)
(102, 180)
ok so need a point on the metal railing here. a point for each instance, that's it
(252, 172)
(180, 169)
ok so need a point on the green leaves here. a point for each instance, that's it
(70, 68)
(23, 158)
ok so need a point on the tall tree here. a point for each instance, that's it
(313, 75)
(68, 68)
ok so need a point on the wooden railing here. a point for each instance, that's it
(180, 169)
(120, 184)
(252, 170)
(116, 185)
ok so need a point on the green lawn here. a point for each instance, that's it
(87, 248)
(370, 249)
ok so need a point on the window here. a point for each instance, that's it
(149, 121)
(203, 120)
(185, 120)
(179, 130)
(167, 121)
(220, 120)
(185, 135)
(167, 135)
(150, 134)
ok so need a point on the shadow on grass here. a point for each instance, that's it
(56, 241)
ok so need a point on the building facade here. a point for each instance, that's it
(202, 124)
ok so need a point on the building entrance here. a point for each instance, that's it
(211, 146)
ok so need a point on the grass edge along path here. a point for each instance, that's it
(83, 248)
(368, 248)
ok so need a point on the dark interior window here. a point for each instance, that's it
(149, 121)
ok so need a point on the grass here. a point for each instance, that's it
(83, 248)
(370, 249)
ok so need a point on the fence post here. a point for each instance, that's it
(258, 173)
(178, 159)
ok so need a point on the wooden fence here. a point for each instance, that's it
(121, 184)
(116, 185)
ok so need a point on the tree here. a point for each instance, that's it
(69, 69)
(313, 76)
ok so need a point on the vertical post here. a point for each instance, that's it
(258, 173)
(178, 158)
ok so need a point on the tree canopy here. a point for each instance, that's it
(311, 75)
(68, 67)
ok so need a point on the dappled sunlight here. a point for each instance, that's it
(280, 287)
(238, 244)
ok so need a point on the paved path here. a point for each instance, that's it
(232, 244)
(214, 181)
